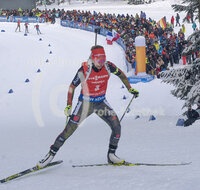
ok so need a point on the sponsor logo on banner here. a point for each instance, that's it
(10, 18)
(64, 23)
(80, 24)
(41, 19)
(32, 19)
(71, 24)
(90, 27)
(16, 19)
(3, 19)
(27, 19)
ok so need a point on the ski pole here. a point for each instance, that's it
(97, 31)
(127, 108)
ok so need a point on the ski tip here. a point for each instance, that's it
(186, 163)
(30, 170)
(54, 163)
(59, 161)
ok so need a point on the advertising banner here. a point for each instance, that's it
(3, 19)
(21, 19)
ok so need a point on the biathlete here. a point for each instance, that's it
(93, 77)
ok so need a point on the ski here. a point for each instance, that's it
(133, 164)
(28, 171)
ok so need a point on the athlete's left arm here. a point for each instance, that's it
(118, 72)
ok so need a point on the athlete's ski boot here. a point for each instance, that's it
(47, 159)
(113, 159)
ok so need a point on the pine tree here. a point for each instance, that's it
(135, 2)
(191, 7)
(187, 80)
(48, 2)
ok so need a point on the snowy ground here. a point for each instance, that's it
(32, 117)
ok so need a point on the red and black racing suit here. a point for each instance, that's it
(92, 100)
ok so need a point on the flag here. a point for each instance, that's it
(163, 23)
(109, 38)
(115, 35)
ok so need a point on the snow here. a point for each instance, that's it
(32, 117)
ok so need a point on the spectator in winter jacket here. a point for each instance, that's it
(160, 65)
(171, 52)
(160, 61)
(191, 16)
(156, 44)
(194, 26)
(177, 20)
(165, 56)
(160, 50)
(183, 28)
(192, 115)
(188, 18)
(172, 21)
(189, 59)
(176, 55)
(152, 37)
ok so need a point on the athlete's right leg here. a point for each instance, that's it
(81, 112)
(75, 120)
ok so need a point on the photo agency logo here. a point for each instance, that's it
(143, 112)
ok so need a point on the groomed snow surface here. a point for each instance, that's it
(32, 116)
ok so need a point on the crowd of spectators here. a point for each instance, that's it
(163, 45)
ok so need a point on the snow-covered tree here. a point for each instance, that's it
(187, 79)
(193, 43)
(191, 7)
(137, 2)
(47, 2)
(58, 2)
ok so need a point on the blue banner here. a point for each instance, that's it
(135, 79)
(28, 19)
(22, 19)
(36, 20)
(3, 19)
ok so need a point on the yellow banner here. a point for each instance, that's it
(140, 59)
